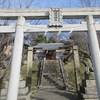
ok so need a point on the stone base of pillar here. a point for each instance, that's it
(28, 82)
(23, 93)
(88, 90)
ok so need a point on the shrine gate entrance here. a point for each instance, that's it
(55, 15)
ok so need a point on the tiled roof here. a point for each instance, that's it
(49, 46)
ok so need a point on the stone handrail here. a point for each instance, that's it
(40, 75)
(62, 71)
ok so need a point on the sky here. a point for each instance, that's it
(69, 3)
(59, 3)
(39, 3)
(48, 3)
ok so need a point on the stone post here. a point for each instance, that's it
(16, 61)
(29, 66)
(77, 68)
(94, 50)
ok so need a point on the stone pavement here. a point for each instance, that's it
(55, 95)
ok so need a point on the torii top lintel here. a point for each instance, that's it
(43, 13)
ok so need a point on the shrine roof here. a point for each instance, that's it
(49, 46)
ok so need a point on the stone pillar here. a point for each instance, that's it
(77, 68)
(94, 50)
(29, 66)
(16, 61)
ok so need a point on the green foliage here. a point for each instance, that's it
(40, 39)
(83, 54)
(66, 53)
(63, 41)
(52, 40)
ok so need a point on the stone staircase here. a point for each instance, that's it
(88, 90)
(52, 76)
(23, 93)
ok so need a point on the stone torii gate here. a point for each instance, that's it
(55, 15)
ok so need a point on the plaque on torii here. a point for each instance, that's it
(55, 17)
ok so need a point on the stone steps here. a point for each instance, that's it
(53, 87)
(52, 83)
(57, 80)
(52, 77)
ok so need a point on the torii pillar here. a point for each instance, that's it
(16, 61)
(77, 68)
(94, 49)
(29, 67)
